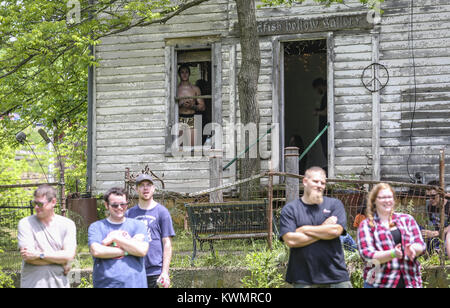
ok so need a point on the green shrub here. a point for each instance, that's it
(264, 267)
(5, 279)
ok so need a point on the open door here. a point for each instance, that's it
(305, 99)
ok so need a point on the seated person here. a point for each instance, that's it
(431, 232)
(360, 216)
(348, 242)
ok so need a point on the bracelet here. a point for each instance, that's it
(393, 254)
(125, 253)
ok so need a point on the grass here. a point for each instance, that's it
(229, 253)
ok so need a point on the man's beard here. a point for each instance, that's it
(315, 196)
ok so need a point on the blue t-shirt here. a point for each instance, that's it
(123, 272)
(321, 262)
(159, 225)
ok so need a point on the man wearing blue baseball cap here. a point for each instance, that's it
(160, 229)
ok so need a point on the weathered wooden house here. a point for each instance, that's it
(388, 89)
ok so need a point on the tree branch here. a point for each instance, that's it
(141, 22)
(18, 66)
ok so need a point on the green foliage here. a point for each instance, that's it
(264, 267)
(355, 266)
(44, 60)
(5, 279)
(44, 56)
(11, 171)
(86, 283)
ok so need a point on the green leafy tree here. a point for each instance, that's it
(44, 56)
(11, 171)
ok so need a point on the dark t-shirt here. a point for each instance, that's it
(323, 118)
(321, 262)
(434, 215)
(159, 225)
(121, 272)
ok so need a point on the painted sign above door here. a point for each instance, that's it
(316, 24)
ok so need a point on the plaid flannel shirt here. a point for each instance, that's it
(378, 238)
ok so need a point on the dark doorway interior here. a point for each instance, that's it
(304, 62)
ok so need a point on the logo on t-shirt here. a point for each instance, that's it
(126, 235)
(147, 220)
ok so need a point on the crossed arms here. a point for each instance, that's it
(306, 235)
(32, 255)
(135, 246)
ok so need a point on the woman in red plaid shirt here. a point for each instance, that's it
(389, 243)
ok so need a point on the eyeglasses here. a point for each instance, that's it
(116, 205)
(432, 196)
(37, 203)
(385, 198)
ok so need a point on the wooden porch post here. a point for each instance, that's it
(215, 174)
(291, 166)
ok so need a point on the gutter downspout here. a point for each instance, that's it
(90, 151)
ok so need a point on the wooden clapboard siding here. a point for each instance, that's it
(413, 146)
(130, 108)
(131, 92)
(353, 104)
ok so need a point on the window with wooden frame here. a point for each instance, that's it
(193, 101)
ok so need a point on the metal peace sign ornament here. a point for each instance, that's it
(375, 77)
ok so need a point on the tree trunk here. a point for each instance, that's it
(248, 85)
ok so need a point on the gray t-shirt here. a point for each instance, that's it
(34, 235)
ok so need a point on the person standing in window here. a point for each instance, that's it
(389, 243)
(189, 105)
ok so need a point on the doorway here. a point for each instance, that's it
(305, 105)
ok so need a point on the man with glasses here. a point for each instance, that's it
(118, 245)
(431, 233)
(47, 243)
(160, 229)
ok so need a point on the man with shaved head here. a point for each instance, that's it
(310, 226)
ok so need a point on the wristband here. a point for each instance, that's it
(393, 254)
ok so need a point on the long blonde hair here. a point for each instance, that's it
(373, 194)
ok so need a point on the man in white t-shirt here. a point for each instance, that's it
(47, 243)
